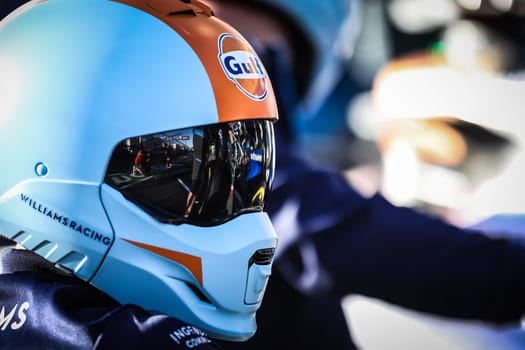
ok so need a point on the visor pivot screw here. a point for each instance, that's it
(41, 169)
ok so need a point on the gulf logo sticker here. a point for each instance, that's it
(242, 66)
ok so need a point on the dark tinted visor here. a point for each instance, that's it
(202, 175)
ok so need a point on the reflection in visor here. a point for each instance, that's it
(202, 175)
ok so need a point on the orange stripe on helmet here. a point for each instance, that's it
(191, 262)
(241, 85)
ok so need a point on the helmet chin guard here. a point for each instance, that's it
(178, 229)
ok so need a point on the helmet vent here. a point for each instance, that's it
(45, 248)
(262, 256)
(169, 8)
(198, 293)
(21, 237)
(72, 261)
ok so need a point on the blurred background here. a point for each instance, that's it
(429, 112)
(431, 108)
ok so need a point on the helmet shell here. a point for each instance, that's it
(80, 76)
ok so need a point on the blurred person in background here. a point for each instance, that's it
(333, 240)
(445, 111)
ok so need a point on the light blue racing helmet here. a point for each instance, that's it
(137, 154)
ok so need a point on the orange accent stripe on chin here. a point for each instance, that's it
(191, 262)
